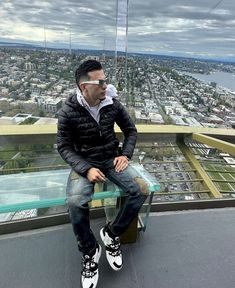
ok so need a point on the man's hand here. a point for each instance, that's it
(94, 175)
(120, 163)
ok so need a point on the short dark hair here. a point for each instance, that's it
(86, 67)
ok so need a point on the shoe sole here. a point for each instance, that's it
(102, 238)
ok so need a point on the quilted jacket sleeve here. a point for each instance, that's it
(65, 146)
(129, 130)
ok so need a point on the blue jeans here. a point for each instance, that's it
(79, 194)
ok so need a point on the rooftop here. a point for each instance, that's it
(178, 250)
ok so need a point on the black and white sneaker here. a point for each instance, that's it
(113, 251)
(90, 272)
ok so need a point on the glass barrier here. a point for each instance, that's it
(33, 177)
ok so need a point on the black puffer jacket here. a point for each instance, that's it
(80, 139)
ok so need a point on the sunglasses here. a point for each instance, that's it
(96, 82)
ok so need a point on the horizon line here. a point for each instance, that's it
(197, 57)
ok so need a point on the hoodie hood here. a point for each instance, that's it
(111, 91)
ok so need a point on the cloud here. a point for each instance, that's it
(169, 26)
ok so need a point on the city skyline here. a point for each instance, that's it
(177, 28)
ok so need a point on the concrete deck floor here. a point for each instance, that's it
(193, 249)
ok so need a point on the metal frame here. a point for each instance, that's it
(215, 143)
(194, 163)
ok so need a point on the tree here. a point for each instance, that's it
(41, 113)
(5, 106)
(14, 111)
(27, 94)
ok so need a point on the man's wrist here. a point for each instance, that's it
(86, 172)
(126, 157)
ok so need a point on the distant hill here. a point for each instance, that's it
(111, 53)
(15, 44)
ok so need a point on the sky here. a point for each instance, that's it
(194, 28)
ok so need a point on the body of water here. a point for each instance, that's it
(226, 80)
